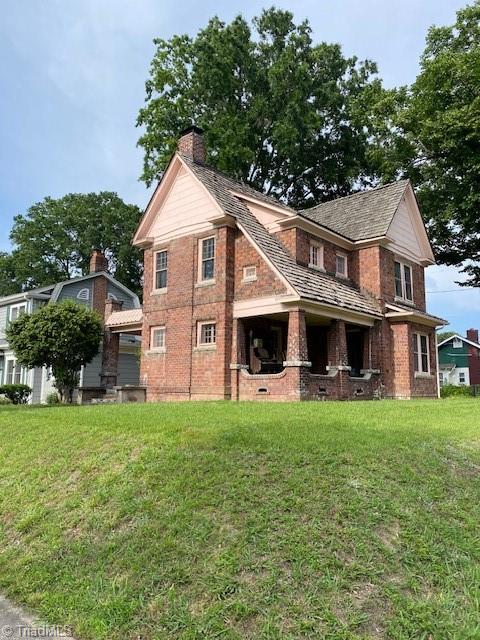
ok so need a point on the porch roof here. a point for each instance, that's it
(130, 319)
(398, 312)
(307, 283)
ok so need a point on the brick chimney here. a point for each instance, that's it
(191, 144)
(472, 334)
(98, 262)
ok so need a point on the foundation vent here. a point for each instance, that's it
(262, 390)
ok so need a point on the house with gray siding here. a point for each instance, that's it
(97, 290)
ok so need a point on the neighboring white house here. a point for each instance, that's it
(89, 290)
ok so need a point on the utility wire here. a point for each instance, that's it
(455, 290)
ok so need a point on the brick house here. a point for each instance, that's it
(246, 298)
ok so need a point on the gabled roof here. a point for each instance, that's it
(54, 290)
(362, 215)
(308, 283)
(456, 335)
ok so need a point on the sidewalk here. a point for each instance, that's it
(15, 623)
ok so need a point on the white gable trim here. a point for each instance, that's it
(470, 342)
(426, 257)
(160, 194)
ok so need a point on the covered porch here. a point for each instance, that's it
(306, 354)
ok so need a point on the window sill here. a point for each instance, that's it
(204, 283)
(410, 303)
(247, 280)
(423, 374)
(158, 292)
(206, 347)
(342, 276)
(316, 267)
(155, 352)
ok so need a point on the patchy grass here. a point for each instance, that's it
(217, 520)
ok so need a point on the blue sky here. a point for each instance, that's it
(72, 80)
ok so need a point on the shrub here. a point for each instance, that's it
(452, 390)
(53, 398)
(16, 393)
(4, 400)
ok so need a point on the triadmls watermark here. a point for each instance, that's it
(40, 631)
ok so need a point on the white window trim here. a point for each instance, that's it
(455, 343)
(158, 349)
(320, 247)
(206, 345)
(249, 278)
(421, 373)
(162, 289)
(340, 254)
(20, 305)
(464, 381)
(200, 280)
(23, 372)
(403, 297)
(83, 294)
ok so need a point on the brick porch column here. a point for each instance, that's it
(297, 350)
(297, 363)
(110, 349)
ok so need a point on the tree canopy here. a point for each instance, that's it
(63, 336)
(287, 116)
(54, 240)
(435, 140)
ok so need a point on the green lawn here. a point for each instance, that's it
(216, 520)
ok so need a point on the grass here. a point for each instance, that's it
(215, 520)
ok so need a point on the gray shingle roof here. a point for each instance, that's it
(309, 284)
(363, 215)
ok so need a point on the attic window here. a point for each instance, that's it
(112, 296)
(83, 294)
(249, 273)
(457, 343)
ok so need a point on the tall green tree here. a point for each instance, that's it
(288, 116)
(435, 140)
(63, 336)
(53, 241)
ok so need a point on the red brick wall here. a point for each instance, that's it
(297, 242)
(266, 284)
(185, 370)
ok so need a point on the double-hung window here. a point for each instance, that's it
(403, 281)
(161, 264)
(421, 353)
(14, 373)
(16, 310)
(316, 255)
(157, 339)
(341, 268)
(207, 260)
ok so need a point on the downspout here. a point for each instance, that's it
(192, 306)
(436, 365)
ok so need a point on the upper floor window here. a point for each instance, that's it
(316, 255)
(341, 268)
(207, 259)
(207, 334)
(16, 310)
(157, 338)
(161, 263)
(421, 353)
(457, 343)
(403, 281)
